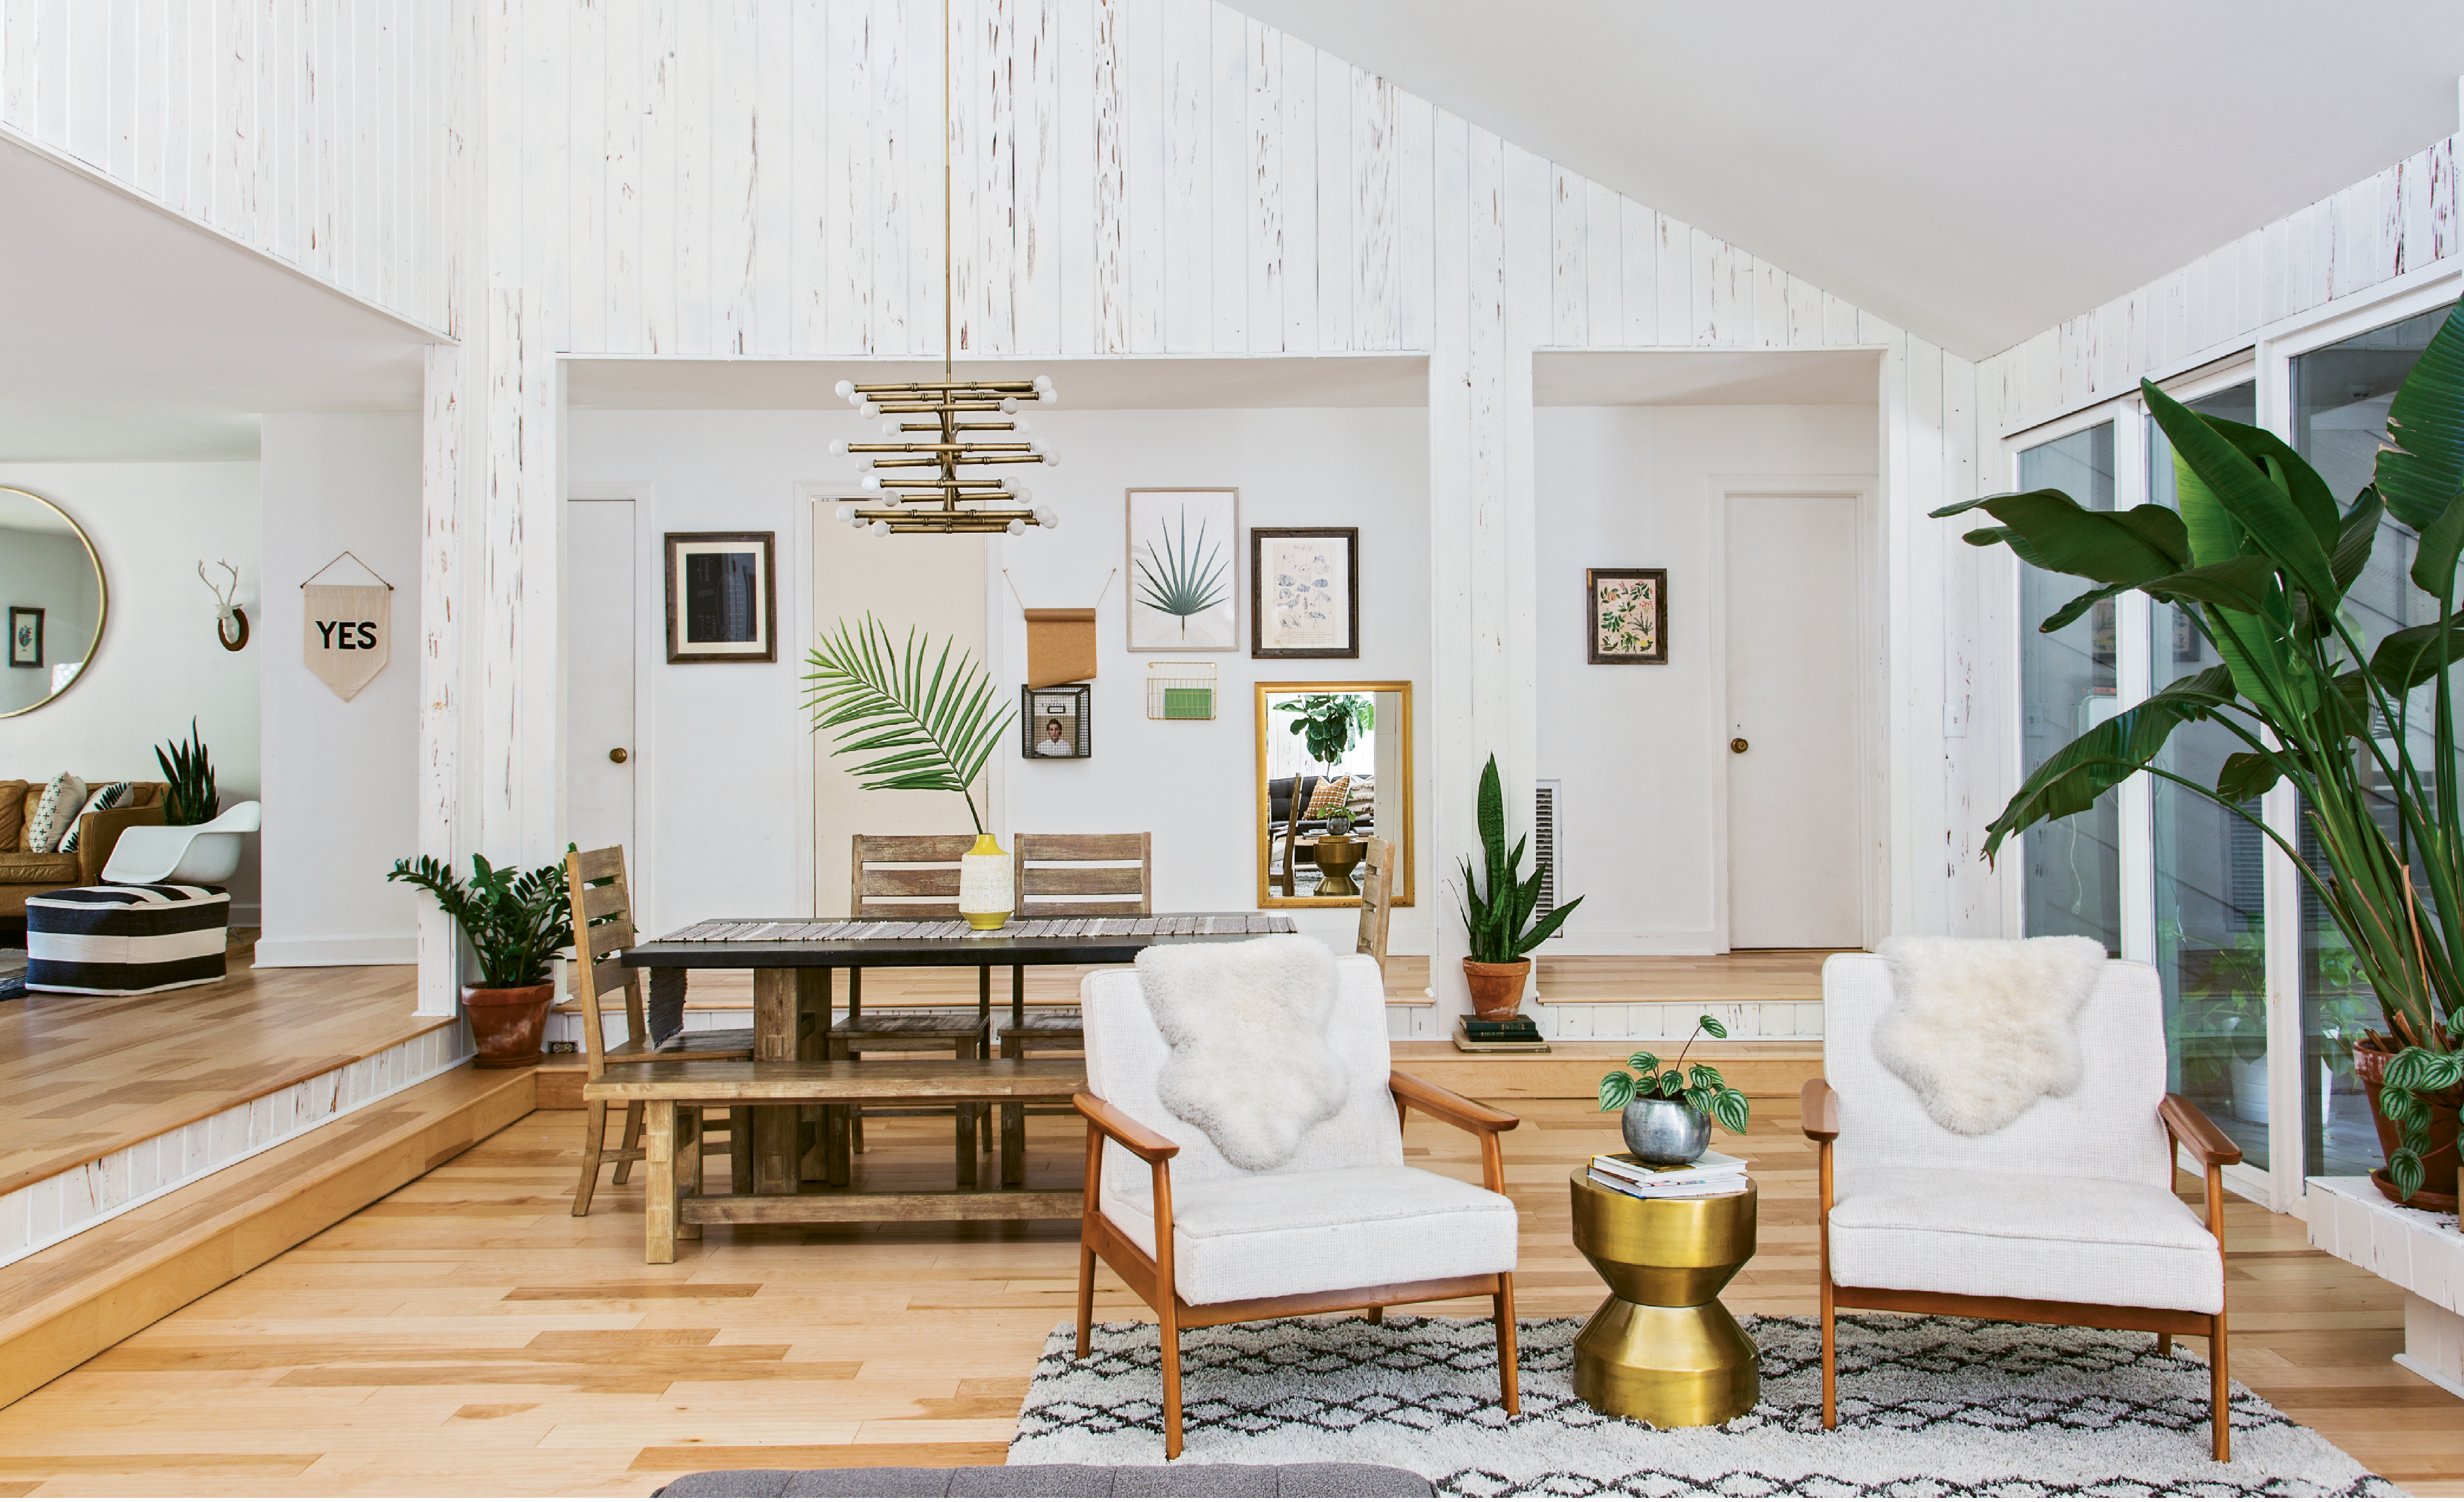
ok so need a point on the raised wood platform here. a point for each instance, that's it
(62, 1305)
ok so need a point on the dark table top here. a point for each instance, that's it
(839, 944)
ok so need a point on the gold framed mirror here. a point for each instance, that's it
(52, 589)
(1322, 746)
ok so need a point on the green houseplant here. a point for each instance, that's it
(1327, 722)
(190, 771)
(1698, 1097)
(516, 922)
(1497, 916)
(925, 725)
(2260, 558)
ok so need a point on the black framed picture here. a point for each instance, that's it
(1053, 723)
(722, 598)
(1303, 592)
(1627, 610)
(25, 635)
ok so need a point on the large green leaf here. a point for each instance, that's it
(2433, 565)
(2264, 504)
(2072, 778)
(2357, 537)
(932, 720)
(2411, 657)
(2053, 531)
(2246, 584)
(2425, 468)
(2291, 473)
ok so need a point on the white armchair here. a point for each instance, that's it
(1343, 1225)
(2065, 1216)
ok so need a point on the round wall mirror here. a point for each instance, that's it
(51, 585)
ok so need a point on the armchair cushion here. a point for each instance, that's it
(1998, 1235)
(1265, 1236)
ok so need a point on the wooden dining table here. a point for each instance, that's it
(792, 960)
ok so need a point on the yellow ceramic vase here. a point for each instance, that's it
(987, 886)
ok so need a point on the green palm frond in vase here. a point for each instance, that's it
(1188, 582)
(929, 722)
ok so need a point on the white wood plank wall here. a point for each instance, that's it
(308, 130)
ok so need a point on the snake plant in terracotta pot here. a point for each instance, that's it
(516, 922)
(1497, 916)
(2260, 561)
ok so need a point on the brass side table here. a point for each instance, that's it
(1663, 1348)
(1336, 856)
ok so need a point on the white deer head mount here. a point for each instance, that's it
(231, 622)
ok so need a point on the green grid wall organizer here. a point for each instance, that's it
(1180, 691)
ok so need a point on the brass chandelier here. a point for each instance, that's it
(918, 477)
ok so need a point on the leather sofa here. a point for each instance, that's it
(24, 874)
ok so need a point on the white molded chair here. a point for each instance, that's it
(2065, 1216)
(191, 854)
(1343, 1225)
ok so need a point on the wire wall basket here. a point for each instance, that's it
(1181, 690)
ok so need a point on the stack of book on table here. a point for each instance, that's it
(1515, 1034)
(1707, 1177)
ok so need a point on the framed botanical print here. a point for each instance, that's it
(1303, 592)
(25, 635)
(1053, 723)
(1627, 613)
(722, 598)
(1184, 571)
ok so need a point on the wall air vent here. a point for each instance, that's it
(1548, 844)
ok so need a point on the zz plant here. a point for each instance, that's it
(1496, 920)
(515, 919)
(1701, 1089)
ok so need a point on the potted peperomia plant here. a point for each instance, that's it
(1496, 920)
(1668, 1112)
(516, 922)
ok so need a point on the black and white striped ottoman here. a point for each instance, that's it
(124, 940)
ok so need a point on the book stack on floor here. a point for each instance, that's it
(1706, 1178)
(1515, 1034)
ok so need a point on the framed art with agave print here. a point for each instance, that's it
(1627, 612)
(1184, 571)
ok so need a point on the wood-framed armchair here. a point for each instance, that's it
(2066, 1216)
(1344, 1225)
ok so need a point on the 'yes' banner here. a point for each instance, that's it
(349, 635)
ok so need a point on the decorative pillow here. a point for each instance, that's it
(13, 814)
(57, 814)
(116, 796)
(1329, 796)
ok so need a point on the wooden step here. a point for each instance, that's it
(1573, 1071)
(75, 1299)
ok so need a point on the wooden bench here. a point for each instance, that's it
(674, 1205)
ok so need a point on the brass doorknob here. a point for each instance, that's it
(1738, 745)
(620, 756)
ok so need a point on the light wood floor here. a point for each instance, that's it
(85, 1075)
(466, 1334)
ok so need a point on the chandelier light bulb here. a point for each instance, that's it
(881, 529)
(846, 513)
(1020, 494)
(838, 448)
(1009, 403)
(870, 482)
(1046, 518)
(846, 390)
(1019, 426)
(1042, 384)
(1016, 527)
(1052, 461)
(871, 409)
(891, 428)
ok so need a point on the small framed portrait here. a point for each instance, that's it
(1303, 592)
(722, 598)
(25, 635)
(1052, 723)
(1627, 613)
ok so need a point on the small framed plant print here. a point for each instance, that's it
(25, 635)
(722, 598)
(1054, 722)
(1627, 611)
(1303, 592)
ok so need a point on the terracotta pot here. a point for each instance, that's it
(1496, 989)
(507, 1024)
(2439, 1163)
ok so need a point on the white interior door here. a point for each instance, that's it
(599, 682)
(1796, 876)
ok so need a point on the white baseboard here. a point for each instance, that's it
(357, 949)
(1576, 939)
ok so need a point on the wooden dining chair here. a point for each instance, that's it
(1377, 894)
(1070, 876)
(1304, 788)
(603, 927)
(914, 877)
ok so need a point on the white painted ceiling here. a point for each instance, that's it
(129, 334)
(1973, 172)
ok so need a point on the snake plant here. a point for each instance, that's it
(190, 798)
(1187, 582)
(1497, 924)
(931, 721)
(2260, 559)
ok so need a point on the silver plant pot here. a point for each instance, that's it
(1665, 1131)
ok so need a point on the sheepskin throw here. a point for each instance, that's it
(1246, 1026)
(1980, 1028)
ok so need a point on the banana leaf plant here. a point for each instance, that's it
(929, 721)
(1498, 923)
(2260, 558)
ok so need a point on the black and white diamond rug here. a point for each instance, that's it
(1927, 1408)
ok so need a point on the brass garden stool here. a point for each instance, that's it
(1663, 1348)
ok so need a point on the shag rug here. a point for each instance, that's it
(1929, 1407)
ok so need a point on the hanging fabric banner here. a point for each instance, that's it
(1060, 646)
(349, 633)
